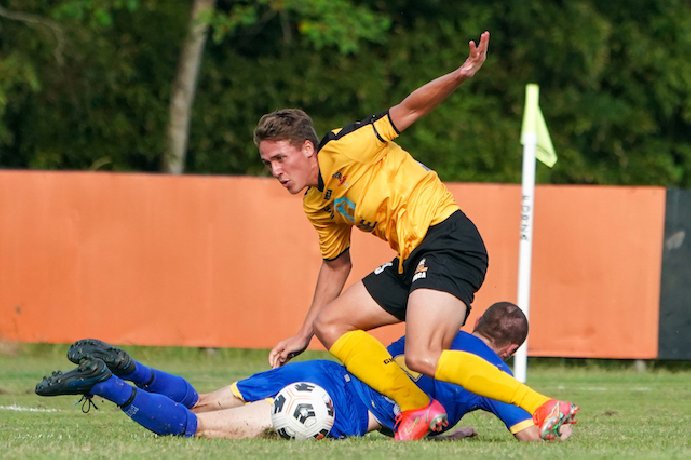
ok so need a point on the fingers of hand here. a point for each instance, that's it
(275, 355)
(484, 43)
(276, 362)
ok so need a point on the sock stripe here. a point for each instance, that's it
(150, 381)
(130, 399)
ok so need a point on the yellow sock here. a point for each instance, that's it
(369, 360)
(482, 378)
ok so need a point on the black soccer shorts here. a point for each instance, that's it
(451, 258)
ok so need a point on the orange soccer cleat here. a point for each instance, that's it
(417, 423)
(552, 415)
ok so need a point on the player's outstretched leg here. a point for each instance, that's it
(127, 368)
(92, 377)
(552, 415)
(417, 423)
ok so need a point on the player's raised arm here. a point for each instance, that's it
(332, 277)
(424, 99)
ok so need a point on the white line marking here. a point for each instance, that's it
(601, 388)
(16, 408)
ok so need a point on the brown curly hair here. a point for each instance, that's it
(292, 125)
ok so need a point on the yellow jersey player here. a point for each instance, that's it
(358, 176)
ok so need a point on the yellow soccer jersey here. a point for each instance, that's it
(369, 181)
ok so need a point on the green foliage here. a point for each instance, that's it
(324, 24)
(104, 101)
(321, 22)
(17, 76)
(95, 14)
(90, 88)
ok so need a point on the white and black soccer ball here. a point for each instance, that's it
(302, 410)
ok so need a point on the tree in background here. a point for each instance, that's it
(184, 87)
(615, 82)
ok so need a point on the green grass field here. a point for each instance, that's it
(624, 414)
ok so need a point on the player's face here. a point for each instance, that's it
(295, 167)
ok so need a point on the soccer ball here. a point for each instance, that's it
(302, 410)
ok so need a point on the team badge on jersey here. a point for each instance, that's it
(338, 175)
(346, 208)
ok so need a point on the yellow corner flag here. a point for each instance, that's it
(534, 129)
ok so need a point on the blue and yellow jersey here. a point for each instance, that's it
(368, 181)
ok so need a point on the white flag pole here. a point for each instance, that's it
(529, 141)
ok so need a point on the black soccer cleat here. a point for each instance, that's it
(115, 358)
(78, 381)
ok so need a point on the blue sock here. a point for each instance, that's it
(113, 389)
(155, 412)
(141, 374)
(161, 414)
(156, 381)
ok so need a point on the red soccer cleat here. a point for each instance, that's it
(417, 423)
(552, 415)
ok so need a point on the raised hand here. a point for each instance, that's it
(476, 56)
(286, 350)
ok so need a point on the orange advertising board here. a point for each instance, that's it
(231, 261)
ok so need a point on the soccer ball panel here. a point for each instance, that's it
(302, 410)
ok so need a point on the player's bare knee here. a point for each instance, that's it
(326, 331)
(422, 362)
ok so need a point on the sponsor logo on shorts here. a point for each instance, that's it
(380, 269)
(420, 271)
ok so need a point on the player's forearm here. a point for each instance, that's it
(332, 277)
(427, 97)
(424, 99)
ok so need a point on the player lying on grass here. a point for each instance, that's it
(169, 405)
